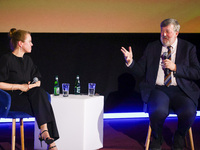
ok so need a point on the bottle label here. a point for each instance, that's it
(56, 91)
(78, 90)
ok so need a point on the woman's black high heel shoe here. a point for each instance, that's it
(47, 140)
(51, 147)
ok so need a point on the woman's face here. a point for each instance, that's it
(27, 44)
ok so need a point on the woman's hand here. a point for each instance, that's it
(36, 84)
(128, 55)
(24, 87)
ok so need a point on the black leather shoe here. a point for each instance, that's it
(178, 142)
(156, 143)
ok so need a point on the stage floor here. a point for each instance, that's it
(119, 134)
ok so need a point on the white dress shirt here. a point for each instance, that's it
(161, 75)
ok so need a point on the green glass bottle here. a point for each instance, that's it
(77, 87)
(56, 87)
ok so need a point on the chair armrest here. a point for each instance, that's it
(5, 102)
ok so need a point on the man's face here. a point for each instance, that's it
(168, 35)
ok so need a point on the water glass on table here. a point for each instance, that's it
(65, 89)
(91, 89)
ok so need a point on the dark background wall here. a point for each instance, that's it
(95, 57)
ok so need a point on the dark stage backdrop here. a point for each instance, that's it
(95, 57)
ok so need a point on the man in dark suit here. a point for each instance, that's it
(169, 67)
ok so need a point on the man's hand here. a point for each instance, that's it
(169, 64)
(128, 55)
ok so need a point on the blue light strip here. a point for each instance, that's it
(133, 115)
(125, 115)
(17, 120)
(105, 116)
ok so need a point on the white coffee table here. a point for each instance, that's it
(79, 120)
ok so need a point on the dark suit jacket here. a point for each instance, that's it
(188, 69)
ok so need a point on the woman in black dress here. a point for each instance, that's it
(16, 77)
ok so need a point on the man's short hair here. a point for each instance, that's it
(169, 21)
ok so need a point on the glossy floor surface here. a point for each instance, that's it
(119, 134)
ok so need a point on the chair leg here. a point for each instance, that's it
(13, 133)
(186, 143)
(191, 138)
(22, 133)
(148, 138)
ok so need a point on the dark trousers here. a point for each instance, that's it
(35, 102)
(163, 99)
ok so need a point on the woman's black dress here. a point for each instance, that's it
(34, 102)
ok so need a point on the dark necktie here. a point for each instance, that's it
(168, 79)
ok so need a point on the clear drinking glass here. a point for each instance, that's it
(65, 89)
(91, 89)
